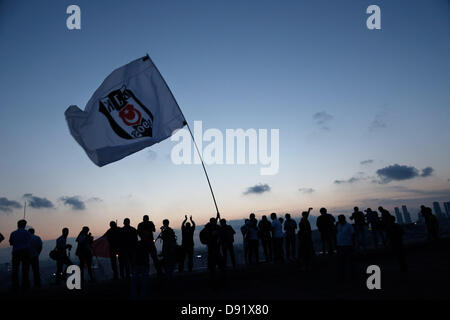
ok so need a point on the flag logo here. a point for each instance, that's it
(128, 117)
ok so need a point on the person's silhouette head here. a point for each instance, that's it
(305, 214)
(287, 216)
(145, 218)
(21, 224)
(213, 221)
(381, 209)
(65, 232)
(126, 222)
(166, 222)
(113, 224)
(85, 229)
(323, 211)
(264, 218)
(223, 222)
(369, 210)
(273, 216)
(356, 209)
(31, 230)
(252, 216)
(342, 219)
(188, 224)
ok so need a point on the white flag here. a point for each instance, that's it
(131, 110)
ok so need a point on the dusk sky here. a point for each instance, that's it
(363, 115)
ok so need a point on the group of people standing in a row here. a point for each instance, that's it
(130, 249)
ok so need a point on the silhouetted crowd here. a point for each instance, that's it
(281, 239)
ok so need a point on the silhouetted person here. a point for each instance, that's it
(226, 241)
(62, 258)
(35, 251)
(360, 228)
(187, 241)
(84, 252)
(1, 238)
(431, 223)
(277, 238)
(145, 231)
(325, 225)
(252, 238)
(20, 241)
(212, 231)
(395, 236)
(113, 237)
(345, 244)
(140, 271)
(384, 221)
(265, 229)
(244, 231)
(305, 243)
(374, 222)
(128, 241)
(169, 248)
(290, 227)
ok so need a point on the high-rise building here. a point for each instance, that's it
(437, 210)
(398, 216)
(406, 215)
(447, 208)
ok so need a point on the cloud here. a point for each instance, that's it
(37, 202)
(379, 122)
(94, 199)
(322, 119)
(74, 202)
(368, 161)
(306, 190)
(257, 189)
(401, 172)
(351, 180)
(8, 205)
(428, 171)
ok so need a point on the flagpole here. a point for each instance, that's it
(24, 209)
(147, 57)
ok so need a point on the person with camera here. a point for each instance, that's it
(60, 254)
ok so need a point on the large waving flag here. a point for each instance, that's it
(132, 109)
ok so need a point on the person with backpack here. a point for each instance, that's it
(84, 252)
(60, 255)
